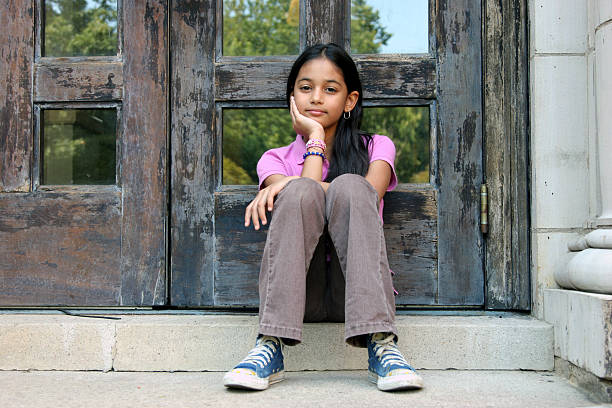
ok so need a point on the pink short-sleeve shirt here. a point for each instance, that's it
(288, 160)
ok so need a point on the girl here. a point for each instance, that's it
(325, 257)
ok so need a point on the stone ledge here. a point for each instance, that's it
(217, 342)
(597, 388)
(583, 328)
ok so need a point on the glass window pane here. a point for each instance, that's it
(408, 127)
(80, 28)
(78, 146)
(389, 26)
(261, 27)
(247, 134)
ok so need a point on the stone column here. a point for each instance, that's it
(603, 95)
(590, 269)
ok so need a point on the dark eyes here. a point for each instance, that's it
(307, 88)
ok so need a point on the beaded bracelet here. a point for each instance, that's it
(316, 143)
(313, 154)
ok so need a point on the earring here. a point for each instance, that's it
(346, 117)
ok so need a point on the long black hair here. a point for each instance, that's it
(350, 153)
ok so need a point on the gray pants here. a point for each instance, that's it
(297, 284)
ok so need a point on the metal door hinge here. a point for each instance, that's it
(484, 208)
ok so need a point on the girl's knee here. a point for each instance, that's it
(304, 190)
(352, 185)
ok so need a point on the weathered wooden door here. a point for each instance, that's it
(433, 239)
(83, 195)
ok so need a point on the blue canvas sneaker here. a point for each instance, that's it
(387, 367)
(260, 368)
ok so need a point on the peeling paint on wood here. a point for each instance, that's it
(381, 77)
(194, 152)
(58, 80)
(410, 231)
(506, 129)
(324, 22)
(144, 149)
(459, 132)
(397, 78)
(16, 54)
(60, 248)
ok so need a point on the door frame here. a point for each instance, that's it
(506, 154)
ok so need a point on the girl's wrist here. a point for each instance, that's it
(317, 135)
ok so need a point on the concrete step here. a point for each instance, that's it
(447, 388)
(157, 342)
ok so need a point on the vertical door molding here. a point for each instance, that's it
(194, 157)
(506, 127)
(17, 51)
(459, 124)
(144, 148)
(324, 22)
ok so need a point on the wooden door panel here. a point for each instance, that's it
(249, 79)
(194, 152)
(16, 112)
(60, 248)
(410, 230)
(459, 135)
(85, 245)
(59, 81)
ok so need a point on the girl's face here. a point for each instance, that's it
(321, 94)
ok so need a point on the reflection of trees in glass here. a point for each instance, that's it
(79, 146)
(270, 27)
(74, 29)
(408, 127)
(247, 134)
(260, 27)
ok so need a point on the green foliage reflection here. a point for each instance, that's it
(408, 127)
(80, 28)
(260, 27)
(247, 134)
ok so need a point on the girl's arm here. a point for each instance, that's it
(313, 165)
(379, 176)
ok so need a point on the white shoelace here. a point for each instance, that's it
(388, 353)
(263, 351)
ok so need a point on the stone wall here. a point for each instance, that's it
(568, 53)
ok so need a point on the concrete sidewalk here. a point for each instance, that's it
(443, 388)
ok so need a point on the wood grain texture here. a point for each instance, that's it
(459, 132)
(57, 80)
(506, 130)
(16, 56)
(144, 150)
(194, 152)
(238, 250)
(413, 77)
(410, 232)
(324, 22)
(60, 248)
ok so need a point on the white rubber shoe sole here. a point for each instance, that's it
(407, 381)
(243, 380)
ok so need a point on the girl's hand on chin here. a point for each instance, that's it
(303, 125)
